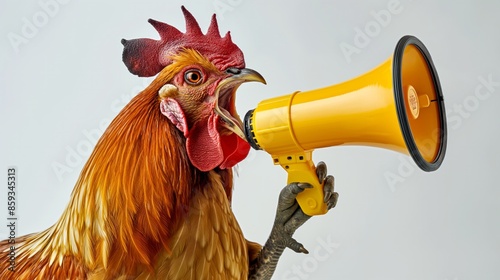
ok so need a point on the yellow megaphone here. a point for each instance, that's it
(398, 106)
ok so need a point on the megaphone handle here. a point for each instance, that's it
(311, 199)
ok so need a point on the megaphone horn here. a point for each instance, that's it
(398, 106)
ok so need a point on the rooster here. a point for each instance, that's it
(153, 200)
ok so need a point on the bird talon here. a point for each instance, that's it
(301, 187)
(321, 171)
(332, 202)
(303, 250)
(327, 197)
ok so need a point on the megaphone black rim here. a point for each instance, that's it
(401, 109)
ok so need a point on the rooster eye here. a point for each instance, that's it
(193, 77)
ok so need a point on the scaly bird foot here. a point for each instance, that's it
(289, 217)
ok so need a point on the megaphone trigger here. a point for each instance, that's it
(300, 168)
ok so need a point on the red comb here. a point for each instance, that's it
(147, 57)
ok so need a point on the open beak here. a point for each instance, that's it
(243, 75)
(224, 96)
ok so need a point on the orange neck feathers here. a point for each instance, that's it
(131, 194)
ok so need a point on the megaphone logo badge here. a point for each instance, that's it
(413, 100)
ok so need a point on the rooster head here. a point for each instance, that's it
(198, 75)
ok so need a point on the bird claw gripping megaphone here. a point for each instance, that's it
(397, 105)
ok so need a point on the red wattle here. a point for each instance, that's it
(207, 149)
(235, 150)
(203, 145)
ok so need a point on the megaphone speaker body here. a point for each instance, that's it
(398, 106)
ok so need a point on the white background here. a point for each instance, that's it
(66, 78)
